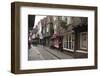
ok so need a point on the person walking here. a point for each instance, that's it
(29, 40)
(60, 46)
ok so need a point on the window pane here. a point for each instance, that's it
(83, 40)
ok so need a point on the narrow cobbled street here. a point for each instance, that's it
(40, 52)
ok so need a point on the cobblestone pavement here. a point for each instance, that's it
(40, 52)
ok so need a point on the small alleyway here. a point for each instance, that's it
(40, 52)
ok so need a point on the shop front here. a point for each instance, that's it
(57, 41)
(81, 41)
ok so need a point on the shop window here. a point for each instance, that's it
(69, 42)
(83, 40)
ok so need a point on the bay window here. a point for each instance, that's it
(68, 42)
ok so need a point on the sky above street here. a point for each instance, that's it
(37, 19)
